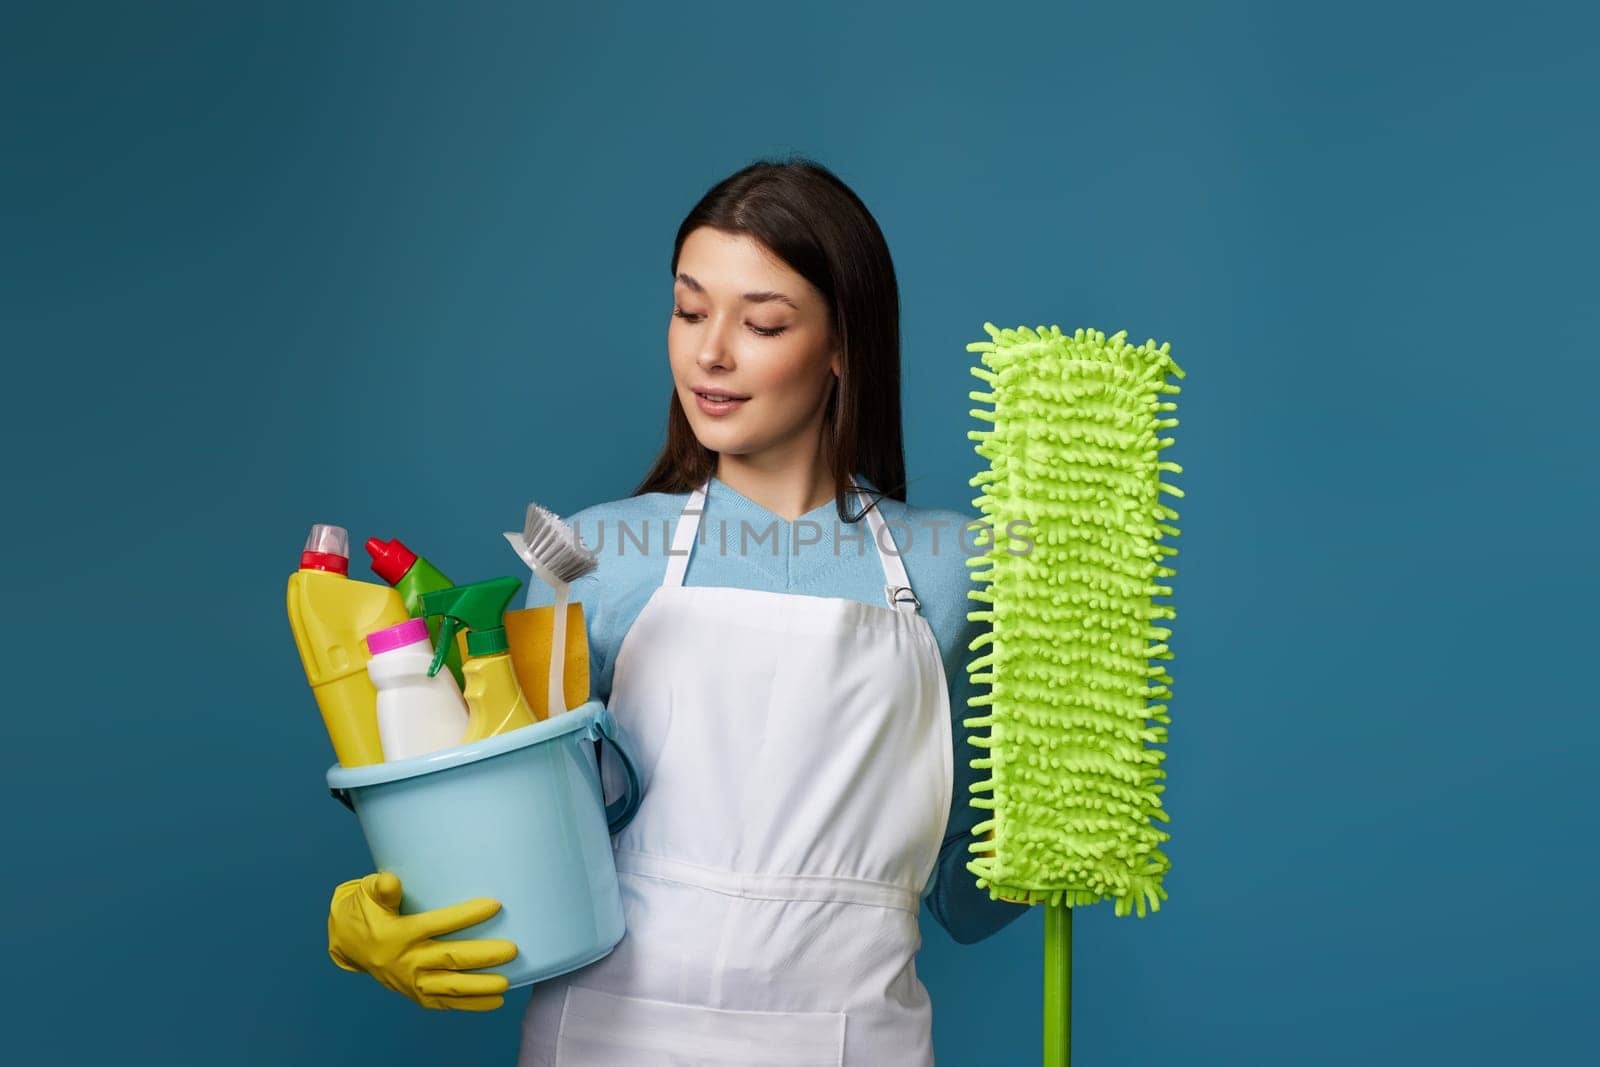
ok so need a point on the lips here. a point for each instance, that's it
(716, 402)
(720, 395)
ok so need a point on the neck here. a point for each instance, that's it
(788, 485)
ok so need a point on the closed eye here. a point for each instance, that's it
(764, 331)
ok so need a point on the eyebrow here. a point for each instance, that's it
(764, 296)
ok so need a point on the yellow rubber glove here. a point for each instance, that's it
(1009, 900)
(366, 932)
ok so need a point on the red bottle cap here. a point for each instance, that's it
(390, 559)
(324, 561)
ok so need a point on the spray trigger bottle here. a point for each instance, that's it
(495, 703)
(411, 575)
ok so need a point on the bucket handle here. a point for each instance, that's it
(619, 812)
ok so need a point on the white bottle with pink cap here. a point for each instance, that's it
(416, 714)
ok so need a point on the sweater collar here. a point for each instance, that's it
(744, 503)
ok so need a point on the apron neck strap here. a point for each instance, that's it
(897, 586)
(683, 536)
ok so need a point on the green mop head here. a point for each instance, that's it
(1074, 707)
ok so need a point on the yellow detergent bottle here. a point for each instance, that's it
(331, 616)
(495, 703)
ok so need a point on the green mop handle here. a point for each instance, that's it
(1057, 985)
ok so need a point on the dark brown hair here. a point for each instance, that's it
(802, 213)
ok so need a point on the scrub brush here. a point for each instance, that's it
(558, 558)
(1074, 710)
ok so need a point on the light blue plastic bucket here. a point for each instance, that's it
(519, 818)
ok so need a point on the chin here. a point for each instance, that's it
(723, 443)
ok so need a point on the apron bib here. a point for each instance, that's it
(796, 757)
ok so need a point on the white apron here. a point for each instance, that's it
(796, 757)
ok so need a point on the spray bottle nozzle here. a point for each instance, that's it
(480, 608)
(447, 635)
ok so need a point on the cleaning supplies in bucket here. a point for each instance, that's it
(495, 704)
(330, 615)
(517, 818)
(418, 712)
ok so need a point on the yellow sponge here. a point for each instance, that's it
(528, 632)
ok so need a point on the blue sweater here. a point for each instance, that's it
(630, 536)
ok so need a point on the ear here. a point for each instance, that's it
(834, 363)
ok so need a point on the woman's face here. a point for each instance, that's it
(746, 326)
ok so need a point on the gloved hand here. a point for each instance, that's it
(367, 933)
(989, 836)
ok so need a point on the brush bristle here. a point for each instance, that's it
(555, 544)
(1074, 711)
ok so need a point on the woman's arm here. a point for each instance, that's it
(943, 579)
(964, 910)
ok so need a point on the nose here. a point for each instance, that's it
(715, 352)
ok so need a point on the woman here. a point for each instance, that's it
(787, 655)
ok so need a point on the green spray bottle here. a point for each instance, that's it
(495, 703)
(412, 576)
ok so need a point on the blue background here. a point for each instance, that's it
(404, 268)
